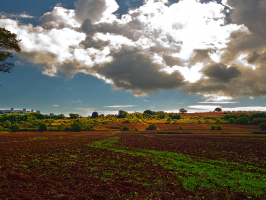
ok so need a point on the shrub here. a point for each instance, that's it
(242, 120)
(60, 127)
(219, 127)
(218, 120)
(257, 121)
(232, 121)
(77, 127)
(14, 128)
(43, 127)
(124, 128)
(169, 120)
(136, 129)
(152, 127)
(262, 126)
(199, 122)
(180, 127)
(212, 127)
(127, 121)
(1, 128)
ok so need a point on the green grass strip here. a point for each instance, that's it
(197, 173)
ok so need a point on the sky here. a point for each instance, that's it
(108, 55)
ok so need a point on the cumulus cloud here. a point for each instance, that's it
(188, 45)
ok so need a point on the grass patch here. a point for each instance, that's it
(38, 138)
(195, 172)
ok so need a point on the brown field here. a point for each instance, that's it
(59, 165)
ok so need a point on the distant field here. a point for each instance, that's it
(123, 165)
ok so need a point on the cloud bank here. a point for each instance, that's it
(201, 48)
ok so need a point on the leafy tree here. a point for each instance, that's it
(175, 116)
(77, 126)
(60, 127)
(152, 127)
(73, 116)
(218, 109)
(213, 127)
(262, 126)
(94, 115)
(8, 42)
(161, 114)
(125, 128)
(14, 128)
(219, 127)
(122, 114)
(43, 127)
(148, 112)
(228, 116)
(242, 120)
(182, 110)
(258, 121)
(232, 121)
(169, 120)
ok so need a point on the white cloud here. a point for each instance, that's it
(78, 101)
(120, 106)
(56, 105)
(4, 15)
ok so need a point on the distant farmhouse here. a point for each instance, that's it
(24, 111)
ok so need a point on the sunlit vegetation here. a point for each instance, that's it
(38, 122)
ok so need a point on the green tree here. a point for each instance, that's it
(94, 115)
(219, 127)
(169, 120)
(43, 127)
(218, 109)
(77, 126)
(122, 114)
(73, 116)
(262, 126)
(213, 127)
(14, 128)
(232, 121)
(148, 112)
(182, 110)
(152, 127)
(8, 42)
(125, 128)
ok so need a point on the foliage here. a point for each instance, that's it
(60, 127)
(125, 128)
(148, 112)
(218, 109)
(180, 128)
(169, 120)
(262, 126)
(182, 110)
(242, 120)
(8, 41)
(14, 128)
(175, 116)
(73, 116)
(94, 115)
(219, 127)
(43, 127)
(232, 121)
(213, 126)
(77, 126)
(258, 115)
(228, 116)
(152, 127)
(122, 114)
(257, 121)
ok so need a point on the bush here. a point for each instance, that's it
(257, 121)
(219, 127)
(127, 121)
(242, 120)
(1, 128)
(169, 120)
(180, 127)
(212, 127)
(14, 128)
(43, 127)
(61, 127)
(199, 122)
(232, 121)
(262, 126)
(152, 127)
(124, 128)
(77, 127)
(136, 129)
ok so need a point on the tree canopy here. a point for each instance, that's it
(8, 43)
(218, 109)
(182, 110)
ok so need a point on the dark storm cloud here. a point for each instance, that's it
(170, 61)
(220, 72)
(89, 9)
(253, 15)
(201, 55)
(133, 70)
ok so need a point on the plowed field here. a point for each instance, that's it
(109, 165)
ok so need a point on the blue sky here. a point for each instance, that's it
(84, 56)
